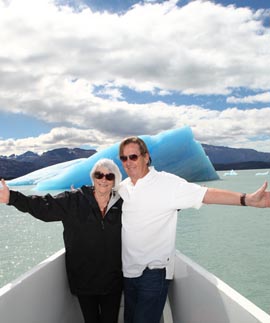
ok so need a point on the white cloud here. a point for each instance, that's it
(199, 48)
(232, 127)
(258, 98)
(56, 138)
(53, 58)
(236, 128)
(110, 92)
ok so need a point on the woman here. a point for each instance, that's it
(91, 217)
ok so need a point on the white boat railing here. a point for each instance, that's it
(40, 296)
(195, 296)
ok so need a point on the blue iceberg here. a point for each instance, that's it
(175, 151)
(45, 173)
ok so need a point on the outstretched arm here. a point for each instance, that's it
(4, 192)
(260, 198)
(46, 208)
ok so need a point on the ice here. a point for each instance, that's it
(175, 151)
(230, 173)
(43, 173)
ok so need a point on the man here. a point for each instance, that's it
(151, 203)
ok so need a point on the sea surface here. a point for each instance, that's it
(231, 242)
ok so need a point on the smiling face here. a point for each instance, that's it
(138, 168)
(103, 186)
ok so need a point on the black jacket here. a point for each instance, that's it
(92, 243)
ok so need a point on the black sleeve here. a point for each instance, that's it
(46, 208)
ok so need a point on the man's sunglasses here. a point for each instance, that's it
(132, 157)
(109, 176)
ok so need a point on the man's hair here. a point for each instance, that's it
(135, 140)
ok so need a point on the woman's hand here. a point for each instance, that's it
(4, 192)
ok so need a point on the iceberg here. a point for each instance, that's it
(39, 175)
(175, 151)
(230, 173)
(262, 173)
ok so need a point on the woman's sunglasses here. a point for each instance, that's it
(132, 157)
(109, 176)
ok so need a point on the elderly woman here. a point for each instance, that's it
(91, 217)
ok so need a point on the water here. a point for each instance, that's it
(24, 240)
(231, 242)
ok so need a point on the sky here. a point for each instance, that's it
(87, 73)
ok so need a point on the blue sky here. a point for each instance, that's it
(88, 73)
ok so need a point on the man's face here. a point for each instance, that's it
(138, 168)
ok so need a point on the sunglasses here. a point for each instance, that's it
(132, 157)
(109, 176)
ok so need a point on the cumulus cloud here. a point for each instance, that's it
(171, 48)
(231, 128)
(70, 67)
(56, 138)
(258, 98)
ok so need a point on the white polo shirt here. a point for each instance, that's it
(149, 219)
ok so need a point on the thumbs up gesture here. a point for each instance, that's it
(4, 192)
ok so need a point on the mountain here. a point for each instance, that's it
(18, 165)
(223, 158)
(10, 168)
(226, 158)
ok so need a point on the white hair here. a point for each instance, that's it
(110, 165)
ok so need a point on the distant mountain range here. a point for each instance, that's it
(18, 165)
(223, 158)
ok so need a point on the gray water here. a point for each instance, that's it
(231, 242)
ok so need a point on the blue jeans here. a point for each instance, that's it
(145, 296)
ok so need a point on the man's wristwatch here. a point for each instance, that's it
(243, 199)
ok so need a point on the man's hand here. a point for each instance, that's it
(260, 198)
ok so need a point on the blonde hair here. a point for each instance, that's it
(110, 165)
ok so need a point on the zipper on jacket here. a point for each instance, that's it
(102, 225)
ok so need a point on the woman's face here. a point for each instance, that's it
(103, 180)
